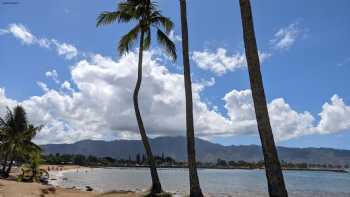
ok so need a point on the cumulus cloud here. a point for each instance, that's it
(220, 62)
(101, 107)
(285, 121)
(22, 33)
(284, 38)
(335, 116)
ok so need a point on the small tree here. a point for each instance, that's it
(16, 137)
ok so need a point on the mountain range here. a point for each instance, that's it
(206, 151)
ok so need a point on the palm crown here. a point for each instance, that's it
(147, 15)
(16, 133)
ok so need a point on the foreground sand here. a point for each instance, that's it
(10, 188)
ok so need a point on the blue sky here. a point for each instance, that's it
(307, 61)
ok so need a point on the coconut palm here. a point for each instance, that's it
(195, 189)
(274, 174)
(17, 135)
(147, 16)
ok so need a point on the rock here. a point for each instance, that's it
(52, 189)
(89, 189)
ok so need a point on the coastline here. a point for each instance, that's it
(10, 187)
(229, 168)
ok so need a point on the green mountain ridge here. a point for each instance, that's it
(206, 151)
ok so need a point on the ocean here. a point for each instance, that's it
(214, 182)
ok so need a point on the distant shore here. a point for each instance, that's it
(55, 168)
(230, 168)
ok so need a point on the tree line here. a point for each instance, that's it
(165, 161)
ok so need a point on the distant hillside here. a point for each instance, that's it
(206, 151)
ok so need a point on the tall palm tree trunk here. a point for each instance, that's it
(195, 189)
(8, 171)
(276, 185)
(156, 186)
(5, 162)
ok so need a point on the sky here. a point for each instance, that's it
(67, 73)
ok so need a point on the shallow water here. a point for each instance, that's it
(214, 182)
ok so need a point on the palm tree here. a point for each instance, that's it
(17, 135)
(147, 16)
(195, 189)
(274, 173)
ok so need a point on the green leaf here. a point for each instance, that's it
(168, 45)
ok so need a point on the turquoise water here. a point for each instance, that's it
(218, 183)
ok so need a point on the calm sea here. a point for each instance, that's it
(218, 183)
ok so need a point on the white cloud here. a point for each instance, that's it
(64, 49)
(43, 86)
(219, 62)
(286, 122)
(67, 86)
(284, 38)
(101, 107)
(335, 116)
(22, 33)
(5, 102)
(53, 75)
(174, 37)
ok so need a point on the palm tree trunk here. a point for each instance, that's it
(34, 174)
(276, 185)
(195, 189)
(5, 162)
(156, 186)
(8, 171)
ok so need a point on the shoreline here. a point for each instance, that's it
(230, 168)
(10, 187)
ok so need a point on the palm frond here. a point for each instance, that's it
(2, 122)
(20, 118)
(106, 18)
(165, 22)
(147, 39)
(168, 45)
(128, 40)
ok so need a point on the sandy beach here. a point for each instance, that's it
(11, 188)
